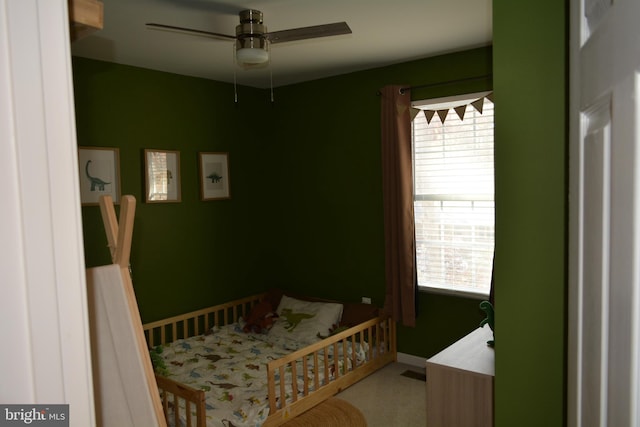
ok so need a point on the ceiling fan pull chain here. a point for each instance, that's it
(235, 88)
(235, 84)
(271, 77)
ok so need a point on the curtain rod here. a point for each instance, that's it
(449, 82)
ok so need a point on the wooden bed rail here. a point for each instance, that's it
(198, 322)
(378, 333)
(171, 394)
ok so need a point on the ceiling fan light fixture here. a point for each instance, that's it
(252, 47)
(252, 50)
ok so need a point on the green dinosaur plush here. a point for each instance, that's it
(158, 362)
(489, 320)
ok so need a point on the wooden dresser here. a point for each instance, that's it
(460, 383)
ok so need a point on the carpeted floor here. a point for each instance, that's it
(391, 397)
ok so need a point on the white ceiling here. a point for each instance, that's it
(384, 32)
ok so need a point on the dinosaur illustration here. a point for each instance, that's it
(239, 413)
(247, 377)
(96, 183)
(253, 400)
(226, 386)
(214, 177)
(226, 397)
(489, 320)
(293, 319)
(212, 357)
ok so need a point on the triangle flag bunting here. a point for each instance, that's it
(443, 115)
(478, 105)
(460, 110)
(428, 114)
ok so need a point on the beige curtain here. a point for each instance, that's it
(397, 187)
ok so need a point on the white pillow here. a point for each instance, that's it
(302, 321)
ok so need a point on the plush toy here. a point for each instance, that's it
(334, 330)
(157, 361)
(489, 320)
(260, 319)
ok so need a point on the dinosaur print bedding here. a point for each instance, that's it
(230, 366)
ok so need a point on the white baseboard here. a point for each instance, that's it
(410, 359)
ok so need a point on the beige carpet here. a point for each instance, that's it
(389, 399)
(333, 412)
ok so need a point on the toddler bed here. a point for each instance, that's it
(235, 364)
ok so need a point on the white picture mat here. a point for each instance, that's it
(162, 176)
(99, 173)
(214, 170)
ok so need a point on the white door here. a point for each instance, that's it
(604, 257)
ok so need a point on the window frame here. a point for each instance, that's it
(449, 103)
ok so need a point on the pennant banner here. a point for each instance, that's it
(460, 110)
(428, 114)
(478, 105)
(443, 115)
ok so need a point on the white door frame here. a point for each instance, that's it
(43, 309)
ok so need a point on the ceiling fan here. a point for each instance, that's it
(252, 39)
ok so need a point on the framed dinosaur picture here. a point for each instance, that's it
(214, 176)
(99, 172)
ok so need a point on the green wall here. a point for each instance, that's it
(190, 254)
(331, 188)
(306, 207)
(530, 89)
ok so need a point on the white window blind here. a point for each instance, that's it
(454, 197)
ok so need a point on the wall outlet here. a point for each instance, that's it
(366, 300)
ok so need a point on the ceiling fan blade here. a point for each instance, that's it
(189, 31)
(325, 30)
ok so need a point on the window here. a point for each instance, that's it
(454, 194)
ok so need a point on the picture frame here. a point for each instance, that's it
(162, 176)
(99, 173)
(214, 176)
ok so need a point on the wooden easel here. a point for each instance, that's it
(125, 389)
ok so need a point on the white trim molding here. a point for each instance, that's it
(44, 307)
(410, 359)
